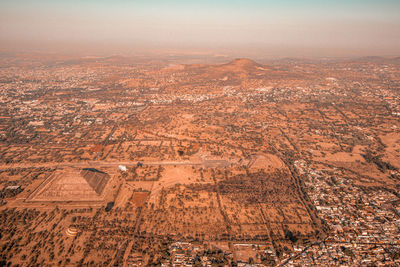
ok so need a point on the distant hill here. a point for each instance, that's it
(374, 59)
(240, 65)
(236, 66)
(377, 59)
(243, 62)
(395, 60)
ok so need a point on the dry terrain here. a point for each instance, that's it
(129, 161)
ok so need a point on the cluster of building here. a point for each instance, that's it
(364, 224)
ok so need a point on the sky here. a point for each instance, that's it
(276, 28)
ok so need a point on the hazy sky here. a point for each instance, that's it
(280, 27)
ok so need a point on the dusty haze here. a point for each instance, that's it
(287, 28)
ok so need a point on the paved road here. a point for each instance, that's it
(85, 164)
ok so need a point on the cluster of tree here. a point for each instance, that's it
(383, 166)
